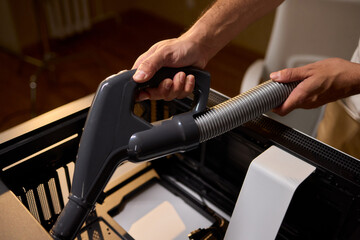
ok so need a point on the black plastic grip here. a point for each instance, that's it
(174, 135)
(202, 83)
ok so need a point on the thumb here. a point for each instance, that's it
(148, 67)
(289, 75)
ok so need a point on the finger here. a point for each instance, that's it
(142, 96)
(148, 67)
(290, 74)
(284, 109)
(177, 86)
(162, 91)
(143, 56)
(281, 110)
(140, 59)
(293, 101)
(189, 86)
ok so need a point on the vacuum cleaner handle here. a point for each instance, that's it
(111, 122)
(177, 134)
(108, 128)
(202, 84)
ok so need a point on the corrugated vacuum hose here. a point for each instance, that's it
(242, 108)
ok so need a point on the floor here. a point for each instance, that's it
(81, 62)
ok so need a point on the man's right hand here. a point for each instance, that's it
(177, 52)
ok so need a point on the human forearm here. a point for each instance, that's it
(223, 21)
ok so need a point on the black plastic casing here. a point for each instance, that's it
(178, 134)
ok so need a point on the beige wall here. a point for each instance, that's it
(257, 35)
(184, 12)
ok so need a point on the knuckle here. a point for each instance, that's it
(288, 73)
(147, 65)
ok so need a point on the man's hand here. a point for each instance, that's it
(322, 82)
(177, 52)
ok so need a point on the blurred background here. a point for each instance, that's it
(53, 52)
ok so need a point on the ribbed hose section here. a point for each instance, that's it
(242, 108)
